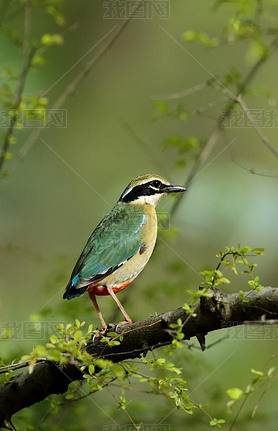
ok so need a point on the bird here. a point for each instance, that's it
(121, 244)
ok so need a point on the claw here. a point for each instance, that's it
(98, 334)
(120, 324)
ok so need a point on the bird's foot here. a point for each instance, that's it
(111, 327)
(99, 333)
(121, 324)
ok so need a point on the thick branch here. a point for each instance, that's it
(219, 311)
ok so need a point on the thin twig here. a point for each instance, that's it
(184, 93)
(13, 428)
(252, 171)
(213, 139)
(257, 129)
(67, 403)
(70, 90)
(238, 412)
(27, 58)
(204, 154)
(125, 411)
(263, 394)
(211, 105)
(272, 378)
(13, 367)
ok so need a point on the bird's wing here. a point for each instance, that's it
(115, 240)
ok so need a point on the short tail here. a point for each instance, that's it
(72, 291)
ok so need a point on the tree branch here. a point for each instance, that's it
(213, 313)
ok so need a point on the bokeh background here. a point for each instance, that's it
(72, 177)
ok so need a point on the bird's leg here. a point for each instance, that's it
(94, 301)
(126, 316)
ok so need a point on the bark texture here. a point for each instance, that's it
(214, 313)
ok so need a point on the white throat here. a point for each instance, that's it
(152, 199)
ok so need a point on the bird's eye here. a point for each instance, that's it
(156, 183)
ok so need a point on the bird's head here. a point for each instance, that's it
(148, 189)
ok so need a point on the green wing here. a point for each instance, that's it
(115, 240)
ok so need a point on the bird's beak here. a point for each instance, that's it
(174, 188)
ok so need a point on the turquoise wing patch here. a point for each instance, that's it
(115, 240)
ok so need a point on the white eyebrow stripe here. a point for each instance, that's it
(131, 188)
(126, 192)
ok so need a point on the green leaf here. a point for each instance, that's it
(234, 393)
(40, 351)
(54, 339)
(217, 422)
(201, 37)
(38, 60)
(8, 155)
(257, 373)
(122, 403)
(90, 328)
(244, 250)
(51, 39)
(270, 371)
(161, 106)
(77, 323)
(258, 51)
(230, 405)
(69, 396)
(242, 297)
(91, 369)
(257, 250)
(118, 370)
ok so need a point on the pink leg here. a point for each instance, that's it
(94, 301)
(127, 318)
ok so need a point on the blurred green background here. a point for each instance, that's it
(52, 202)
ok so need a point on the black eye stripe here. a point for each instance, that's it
(147, 189)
